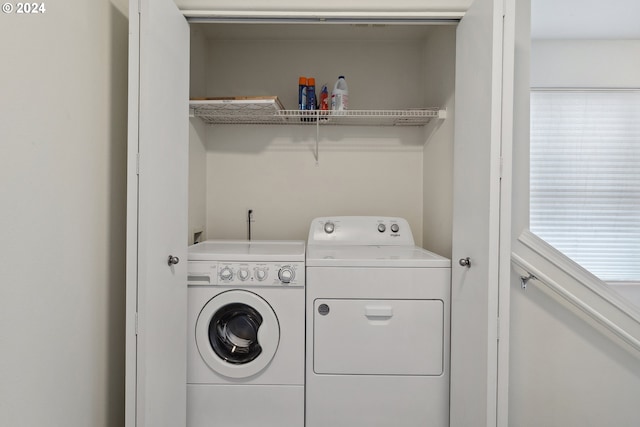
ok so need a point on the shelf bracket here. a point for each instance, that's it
(317, 141)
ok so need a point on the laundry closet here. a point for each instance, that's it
(391, 155)
(426, 88)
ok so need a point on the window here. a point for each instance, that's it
(585, 178)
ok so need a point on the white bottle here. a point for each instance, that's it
(340, 95)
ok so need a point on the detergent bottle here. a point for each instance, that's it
(340, 95)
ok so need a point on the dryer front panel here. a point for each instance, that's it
(378, 337)
(237, 333)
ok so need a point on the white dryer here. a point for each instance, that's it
(378, 310)
(245, 348)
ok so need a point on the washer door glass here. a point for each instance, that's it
(233, 333)
(237, 333)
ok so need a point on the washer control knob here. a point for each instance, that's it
(382, 228)
(286, 274)
(261, 273)
(395, 228)
(226, 274)
(243, 274)
(329, 227)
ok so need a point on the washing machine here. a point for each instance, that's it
(245, 352)
(378, 315)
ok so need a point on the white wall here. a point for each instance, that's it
(63, 113)
(197, 141)
(197, 180)
(585, 63)
(374, 175)
(562, 371)
(440, 63)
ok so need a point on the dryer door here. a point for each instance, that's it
(378, 337)
(237, 333)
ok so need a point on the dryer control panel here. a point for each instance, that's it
(245, 274)
(360, 230)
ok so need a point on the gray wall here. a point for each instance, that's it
(63, 113)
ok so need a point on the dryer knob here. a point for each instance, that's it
(329, 227)
(395, 228)
(286, 274)
(226, 274)
(382, 228)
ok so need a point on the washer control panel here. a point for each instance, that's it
(245, 274)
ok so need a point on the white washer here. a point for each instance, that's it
(245, 349)
(378, 311)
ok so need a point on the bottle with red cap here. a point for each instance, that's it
(324, 102)
(324, 98)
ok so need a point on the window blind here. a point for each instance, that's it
(585, 178)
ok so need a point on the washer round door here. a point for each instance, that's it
(237, 333)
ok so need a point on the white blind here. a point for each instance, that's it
(585, 178)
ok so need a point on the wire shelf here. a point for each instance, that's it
(270, 111)
(413, 117)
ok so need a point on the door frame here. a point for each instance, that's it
(506, 183)
(131, 354)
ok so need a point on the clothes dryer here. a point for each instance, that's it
(378, 311)
(245, 349)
